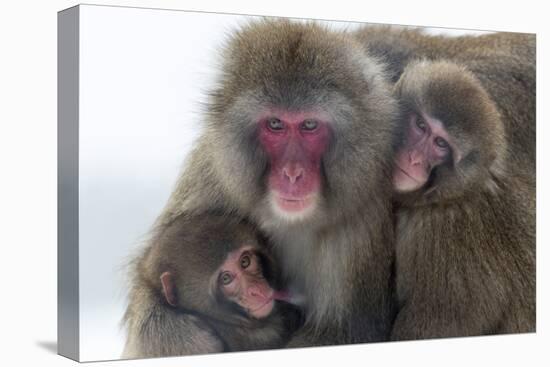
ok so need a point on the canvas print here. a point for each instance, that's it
(236, 183)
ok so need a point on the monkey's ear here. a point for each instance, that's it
(168, 289)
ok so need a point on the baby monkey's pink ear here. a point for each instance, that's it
(168, 289)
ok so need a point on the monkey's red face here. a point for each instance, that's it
(427, 145)
(295, 143)
(241, 280)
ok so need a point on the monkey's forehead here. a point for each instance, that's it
(281, 53)
(206, 255)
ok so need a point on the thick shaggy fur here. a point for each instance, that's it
(339, 260)
(465, 244)
(504, 63)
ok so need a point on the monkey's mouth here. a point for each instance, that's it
(403, 171)
(294, 204)
(264, 309)
(403, 181)
(406, 173)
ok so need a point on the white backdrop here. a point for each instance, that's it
(144, 74)
(28, 189)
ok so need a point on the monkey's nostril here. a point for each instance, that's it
(293, 175)
(415, 159)
(256, 292)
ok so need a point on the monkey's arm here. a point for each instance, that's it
(463, 308)
(306, 337)
(390, 46)
(447, 295)
(156, 330)
(474, 275)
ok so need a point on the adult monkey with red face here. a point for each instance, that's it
(465, 215)
(298, 139)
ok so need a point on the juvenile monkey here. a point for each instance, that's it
(465, 222)
(504, 64)
(205, 287)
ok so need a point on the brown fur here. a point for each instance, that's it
(465, 245)
(192, 250)
(504, 63)
(340, 259)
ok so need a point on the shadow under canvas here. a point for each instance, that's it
(50, 346)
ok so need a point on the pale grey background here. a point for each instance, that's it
(143, 74)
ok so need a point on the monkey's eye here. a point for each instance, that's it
(309, 125)
(275, 124)
(442, 143)
(245, 261)
(420, 123)
(226, 278)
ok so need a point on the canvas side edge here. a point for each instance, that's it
(68, 330)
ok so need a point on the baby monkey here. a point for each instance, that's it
(212, 282)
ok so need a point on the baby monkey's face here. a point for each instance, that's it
(241, 280)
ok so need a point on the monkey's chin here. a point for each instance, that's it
(293, 209)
